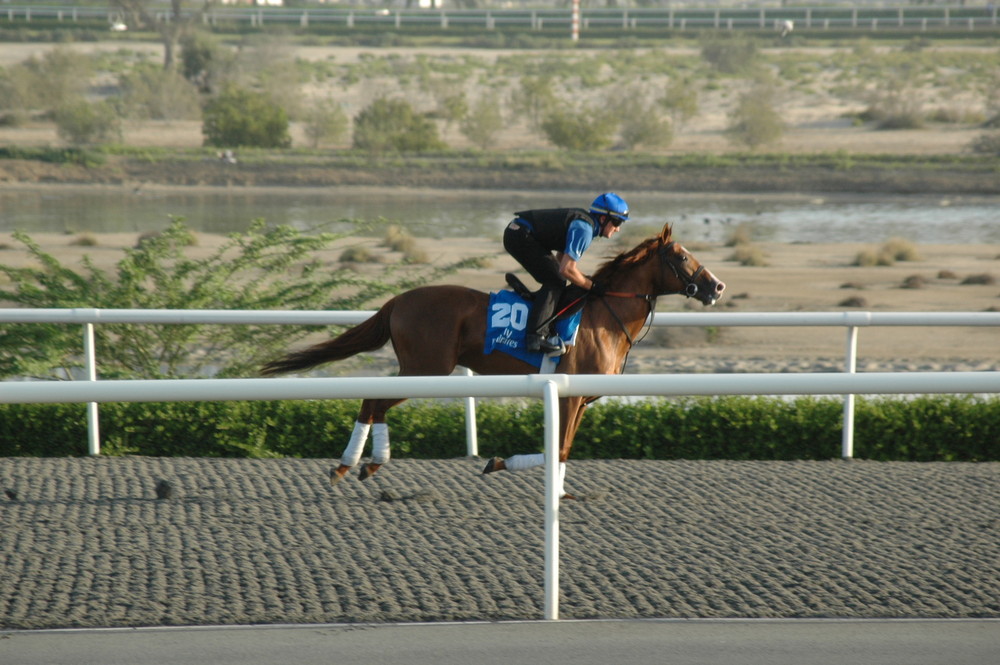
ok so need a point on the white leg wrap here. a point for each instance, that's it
(562, 479)
(380, 443)
(522, 462)
(352, 453)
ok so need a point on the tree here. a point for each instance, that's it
(179, 21)
(392, 124)
(325, 121)
(45, 83)
(754, 121)
(262, 268)
(241, 117)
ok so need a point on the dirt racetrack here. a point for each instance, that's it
(85, 542)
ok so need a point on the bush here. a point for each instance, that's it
(481, 124)
(586, 130)
(921, 429)
(325, 122)
(82, 123)
(641, 125)
(987, 143)
(263, 268)
(730, 56)
(243, 118)
(393, 125)
(151, 92)
(754, 122)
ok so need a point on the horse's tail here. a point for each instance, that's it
(367, 336)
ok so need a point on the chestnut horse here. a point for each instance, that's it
(435, 328)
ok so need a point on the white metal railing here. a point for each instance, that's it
(548, 387)
(849, 320)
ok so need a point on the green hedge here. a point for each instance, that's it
(937, 428)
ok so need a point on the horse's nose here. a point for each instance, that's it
(719, 287)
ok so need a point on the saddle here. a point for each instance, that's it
(570, 302)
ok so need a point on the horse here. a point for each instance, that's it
(436, 328)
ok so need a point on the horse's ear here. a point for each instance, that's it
(666, 232)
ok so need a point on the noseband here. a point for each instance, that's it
(689, 281)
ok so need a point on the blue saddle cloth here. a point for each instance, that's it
(506, 320)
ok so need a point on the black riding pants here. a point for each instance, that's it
(542, 265)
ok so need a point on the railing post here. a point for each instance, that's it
(553, 486)
(847, 440)
(90, 364)
(471, 438)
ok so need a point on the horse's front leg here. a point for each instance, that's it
(570, 413)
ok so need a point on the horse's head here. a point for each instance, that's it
(683, 274)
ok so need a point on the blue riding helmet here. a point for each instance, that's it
(610, 204)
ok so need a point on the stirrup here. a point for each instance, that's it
(539, 344)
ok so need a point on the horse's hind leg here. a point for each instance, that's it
(371, 419)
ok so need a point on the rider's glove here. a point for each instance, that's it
(597, 288)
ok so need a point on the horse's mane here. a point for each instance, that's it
(632, 257)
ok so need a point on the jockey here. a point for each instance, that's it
(532, 238)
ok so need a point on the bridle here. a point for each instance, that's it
(690, 282)
(690, 290)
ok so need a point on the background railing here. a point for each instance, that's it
(805, 15)
(851, 321)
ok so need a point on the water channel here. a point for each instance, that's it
(437, 213)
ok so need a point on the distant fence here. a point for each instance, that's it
(820, 16)
(851, 321)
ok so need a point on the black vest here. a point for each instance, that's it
(549, 227)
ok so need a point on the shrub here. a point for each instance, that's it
(262, 268)
(987, 143)
(325, 122)
(681, 101)
(981, 279)
(754, 121)
(901, 249)
(642, 125)
(920, 429)
(242, 118)
(158, 94)
(748, 255)
(584, 131)
(394, 125)
(729, 56)
(481, 124)
(84, 123)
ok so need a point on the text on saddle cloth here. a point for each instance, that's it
(506, 323)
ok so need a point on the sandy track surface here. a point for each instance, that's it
(87, 543)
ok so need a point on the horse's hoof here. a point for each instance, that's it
(494, 464)
(368, 470)
(337, 473)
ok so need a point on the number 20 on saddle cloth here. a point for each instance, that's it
(506, 320)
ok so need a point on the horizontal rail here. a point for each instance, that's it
(532, 385)
(690, 319)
